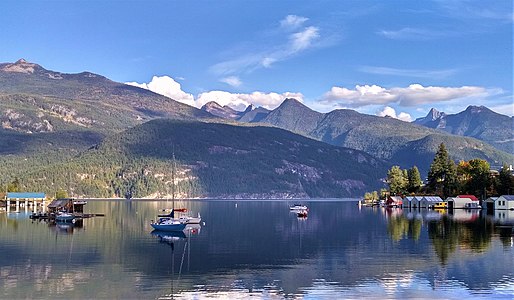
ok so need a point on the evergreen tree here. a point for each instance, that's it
(505, 181)
(442, 177)
(451, 182)
(414, 180)
(479, 181)
(396, 180)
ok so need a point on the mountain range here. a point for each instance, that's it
(476, 121)
(402, 143)
(51, 120)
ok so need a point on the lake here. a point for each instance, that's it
(260, 249)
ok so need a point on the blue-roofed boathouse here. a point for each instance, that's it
(25, 199)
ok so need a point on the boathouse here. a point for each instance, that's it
(69, 205)
(461, 202)
(429, 201)
(415, 202)
(25, 199)
(394, 201)
(407, 202)
(505, 202)
(490, 203)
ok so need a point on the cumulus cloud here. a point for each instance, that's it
(413, 95)
(241, 101)
(292, 21)
(166, 86)
(232, 81)
(391, 112)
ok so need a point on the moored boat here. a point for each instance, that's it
(298, 207)
(64, 217)
(168, 224)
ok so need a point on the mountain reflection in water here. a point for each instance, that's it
(261, 249)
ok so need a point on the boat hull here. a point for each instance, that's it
(168, 227)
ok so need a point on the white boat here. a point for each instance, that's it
(190, 220)
(298, 207)
(168, 224)
(63, 217)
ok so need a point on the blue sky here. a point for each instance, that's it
(378, 57)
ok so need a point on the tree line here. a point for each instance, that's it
(445, 178)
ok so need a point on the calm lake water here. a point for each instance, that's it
(260, 249)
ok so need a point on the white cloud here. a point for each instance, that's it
(232, 81)
(416, 34)
(303, 39)
(280, 45)
(292, 21)
(413, 95)
(391, 112)
(241, 101)
(166, 86)
(504, 109)
(408, 72)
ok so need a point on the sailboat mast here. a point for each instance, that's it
(173, 180)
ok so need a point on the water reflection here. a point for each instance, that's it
(259, 248)
(451, 230)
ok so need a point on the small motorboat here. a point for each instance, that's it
(298, 207)
(64, 217)
(168, 224)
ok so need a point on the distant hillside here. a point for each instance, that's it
(50, 105)
(476, 121)
(213, 160)
(399, 142)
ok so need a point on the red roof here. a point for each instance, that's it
(472, 197)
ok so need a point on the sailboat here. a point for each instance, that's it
(169, 222)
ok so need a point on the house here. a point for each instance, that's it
(429, 201)
(407, 202)
(489, 204)
(505, 202)
(460, 202)
(394, 201)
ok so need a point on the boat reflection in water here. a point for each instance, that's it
(67, 227)
(168, 237)
(175, 237)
